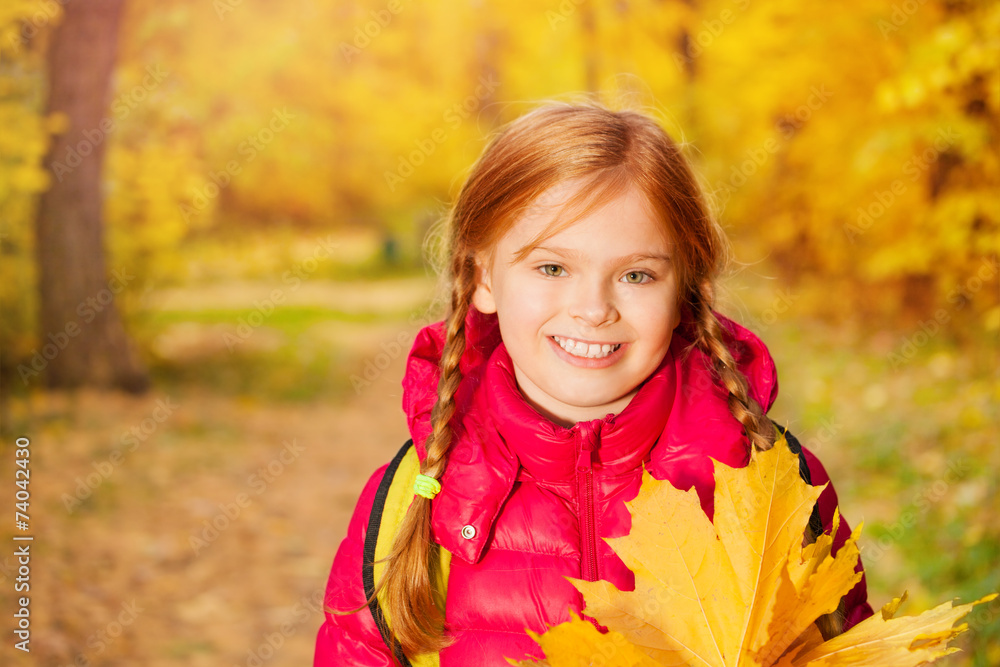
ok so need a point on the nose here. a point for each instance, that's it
(593, 304)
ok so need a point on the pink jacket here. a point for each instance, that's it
(525, 502)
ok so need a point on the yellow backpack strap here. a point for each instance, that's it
(392, 499)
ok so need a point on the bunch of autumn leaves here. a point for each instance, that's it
(741, 592)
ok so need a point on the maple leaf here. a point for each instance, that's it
(742, 592)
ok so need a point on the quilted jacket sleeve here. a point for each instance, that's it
(351, 639)
(856, 601)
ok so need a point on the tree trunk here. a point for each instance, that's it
(83, 338)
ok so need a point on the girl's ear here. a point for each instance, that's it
(483, 298)
(677, 317)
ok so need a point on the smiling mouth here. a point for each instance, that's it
(586, 350)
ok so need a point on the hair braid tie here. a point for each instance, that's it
(426, 487)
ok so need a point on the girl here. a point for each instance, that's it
(580, 346)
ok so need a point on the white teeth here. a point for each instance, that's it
(581, 349)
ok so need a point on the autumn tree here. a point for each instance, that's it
(84, 340)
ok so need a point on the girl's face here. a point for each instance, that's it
(588, 314)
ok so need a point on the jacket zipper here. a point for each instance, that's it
(585, 495)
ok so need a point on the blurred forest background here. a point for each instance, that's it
(211, 374)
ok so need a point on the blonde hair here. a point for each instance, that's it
(611, 151)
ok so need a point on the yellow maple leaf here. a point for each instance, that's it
(889, 642)
(742, 592)
(589, 645)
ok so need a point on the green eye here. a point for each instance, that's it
(635, 277)
(552, 270)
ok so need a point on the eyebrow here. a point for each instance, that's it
(627, 259)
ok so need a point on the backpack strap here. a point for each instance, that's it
(392, 500)
(369, 557)
(815, 522)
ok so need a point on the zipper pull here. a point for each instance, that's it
(588, 436)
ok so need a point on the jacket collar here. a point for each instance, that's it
(549, 451)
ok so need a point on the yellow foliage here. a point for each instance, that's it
(587, 643)
(742, 592)
(887, 641)
(24, 139)
(856, 147)
(148, 208)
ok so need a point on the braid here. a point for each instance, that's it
(440, 438)
(409, 594)
(709, 339)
